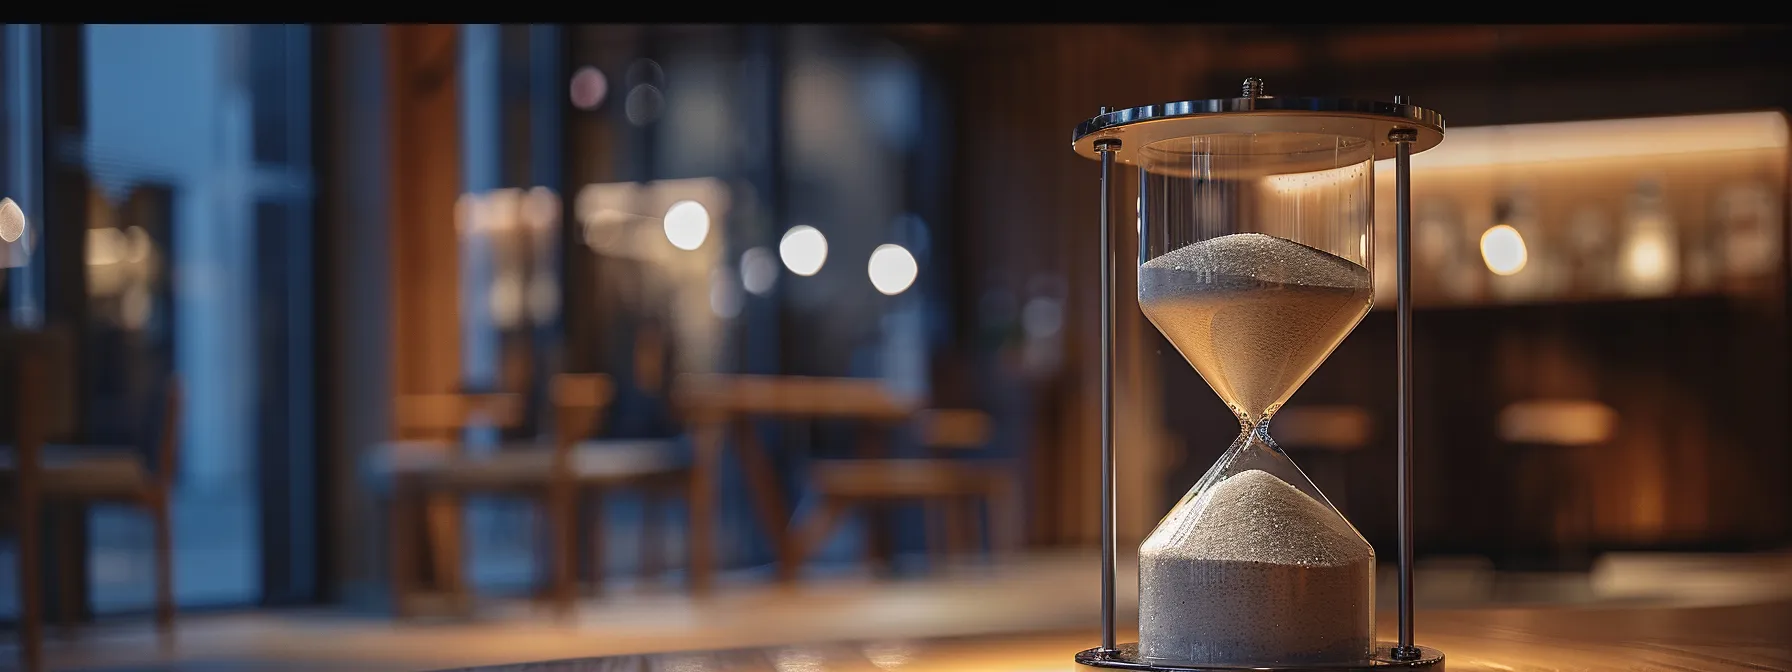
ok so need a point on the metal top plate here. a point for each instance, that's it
(1138, 127)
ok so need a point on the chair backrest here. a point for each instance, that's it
(54, 390)
(442, 416)
(578, 400)
(166, 439)
(1557, 422)
(1335, 428)
(954, 428)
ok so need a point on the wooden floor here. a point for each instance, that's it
(1029, 599)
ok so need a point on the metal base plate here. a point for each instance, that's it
(1127, 658)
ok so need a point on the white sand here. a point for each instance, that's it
(1253, 313)
(1254, 571)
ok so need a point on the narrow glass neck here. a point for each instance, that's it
(1255, 433)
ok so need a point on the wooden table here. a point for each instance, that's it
(715, 404)
(1748, 638)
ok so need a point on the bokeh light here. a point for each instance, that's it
(589, 87)
(1502, 248)
(687, 224)
(803, 250)
(724, 294)
(892, 269)
(758, 271)
(644, 104)
(12, 220)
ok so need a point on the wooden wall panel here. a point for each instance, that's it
(1030, 207)
(426, 182)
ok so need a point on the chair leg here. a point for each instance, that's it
(164, 543)
(957, 526)
(701, 495)
(561, 513)
(594, 527)
(443, 519)
(399, 540)
(880, 547)
(810, 534)
(653, 542)
(69, 568)
(31, 606)
(939, 545)
(1005, 518)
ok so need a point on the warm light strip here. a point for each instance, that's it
(1606, 139)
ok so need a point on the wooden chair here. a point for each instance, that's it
(76, 476)
(429, 473)
(429, 466)
(948, 488)
(600, 466)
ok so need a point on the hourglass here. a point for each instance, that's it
(1255, 256)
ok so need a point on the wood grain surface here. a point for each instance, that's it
(1746, 637)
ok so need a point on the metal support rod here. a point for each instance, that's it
(1403, 139)
(1107, 149)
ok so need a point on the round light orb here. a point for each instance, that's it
(758, 271)
(803, 250)
(1502, 249)
(687, 225)
(643, 105)
(724, 295)
(892, 269)
(12, 220)
(589, 88)
(137, 244)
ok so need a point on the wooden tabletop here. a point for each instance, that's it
(728, 394)
(1721, 638)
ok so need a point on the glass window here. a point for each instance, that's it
(179, 188)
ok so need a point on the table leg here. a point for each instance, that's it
(30, 565)
(880, 515)
(768, 501)
(707, 437)
(808, 536)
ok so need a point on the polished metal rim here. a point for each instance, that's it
(1372, 120)
(1126, 657)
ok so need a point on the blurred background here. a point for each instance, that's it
(425, 346)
